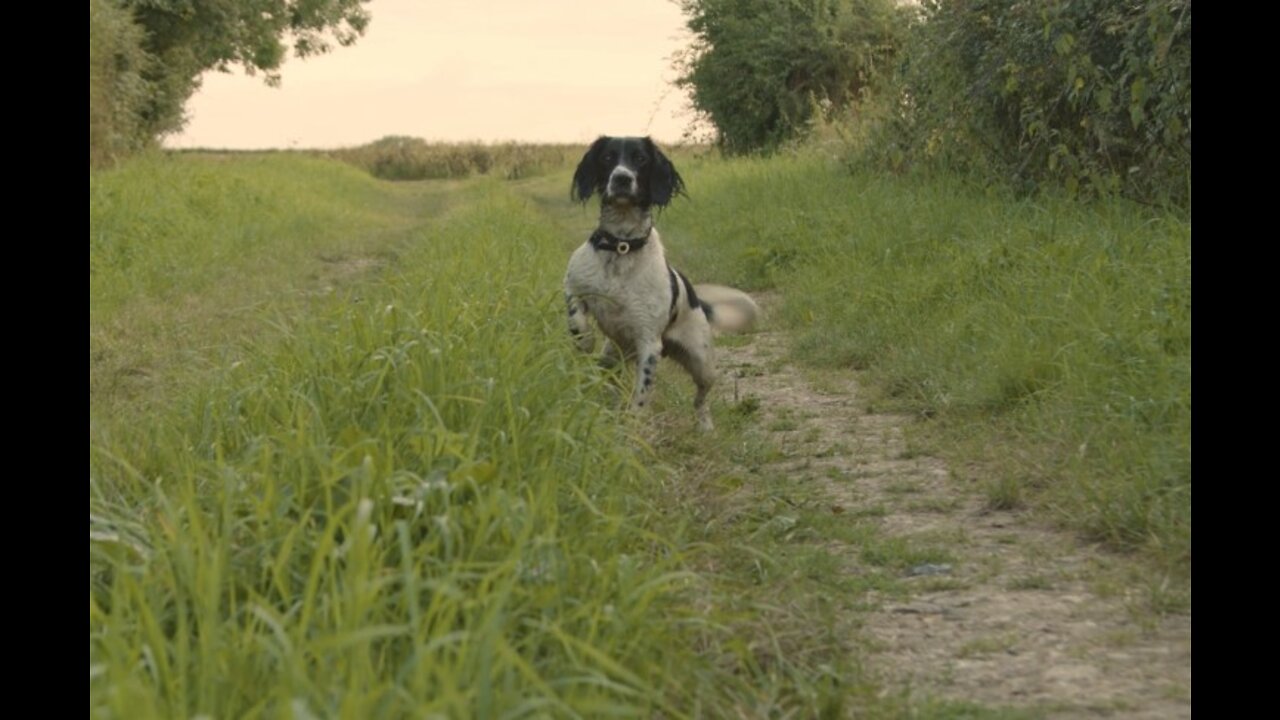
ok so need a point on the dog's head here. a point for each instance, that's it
(626, 171)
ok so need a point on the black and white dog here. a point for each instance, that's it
(621, 277)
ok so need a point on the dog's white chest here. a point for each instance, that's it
(628, 295)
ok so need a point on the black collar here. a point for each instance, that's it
(602, 240)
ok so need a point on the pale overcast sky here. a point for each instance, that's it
(455, 70)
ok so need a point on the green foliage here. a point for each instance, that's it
(758, 69)
(1092, 94)
(118, 91)
(216, 34)
(407, 158)
(159, 55)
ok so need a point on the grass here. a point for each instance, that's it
(988, 645)
(343, 462)
(161, 228)
(407, 498)
(1048, 339)
(399, 492)
(184, 253)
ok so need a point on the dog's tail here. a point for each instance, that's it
(727, 309)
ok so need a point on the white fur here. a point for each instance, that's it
(734, 310)
(625, 172)
(629, 295)
(625, 283)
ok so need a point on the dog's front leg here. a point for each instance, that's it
(647, 355)
(579, 325)
(611, 356)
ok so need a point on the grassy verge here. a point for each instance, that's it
(186, 255)
(377, 481)
(406, 496)
(1049, 338)
(405, 501)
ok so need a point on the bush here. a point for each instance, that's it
(146, 56)
(759, 69)
(397, 157)
(117, 90)
(1094, 94)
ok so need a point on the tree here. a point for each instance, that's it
(117, 91)
(185, 38)
(758, 67)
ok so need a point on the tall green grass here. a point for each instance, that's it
(407, 495)
(188, 253)
(1063, 329)
(410, 502)
(161, 227)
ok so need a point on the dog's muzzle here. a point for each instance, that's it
(622, 183)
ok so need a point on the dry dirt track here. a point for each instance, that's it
(1016, 619)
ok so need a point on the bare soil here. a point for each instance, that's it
(1026, 615)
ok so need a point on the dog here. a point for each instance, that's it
(620, 276)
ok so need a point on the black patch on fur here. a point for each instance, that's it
(587, 179)
(675, 290)
(657, 181)
(674, 350)
(663, 180)
(706, 308)
(694, 302)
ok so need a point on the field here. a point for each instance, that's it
(344, 461)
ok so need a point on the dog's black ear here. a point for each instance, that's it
(664, 182)
(586, 179)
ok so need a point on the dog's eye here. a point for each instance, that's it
(609, 158)
(639, 159)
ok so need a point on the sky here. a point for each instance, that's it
(458, 70)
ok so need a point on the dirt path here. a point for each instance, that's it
(1023, 616)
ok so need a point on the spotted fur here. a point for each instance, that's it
(621, 279)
